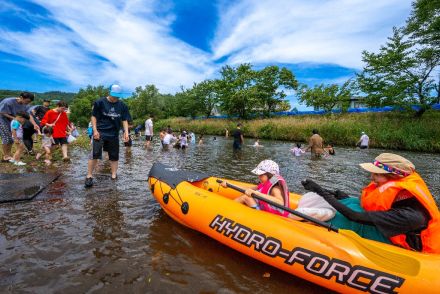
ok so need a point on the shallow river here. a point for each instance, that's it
(115, 238)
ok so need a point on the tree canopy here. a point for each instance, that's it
(327, 97)
(244, 92)
(405, 70)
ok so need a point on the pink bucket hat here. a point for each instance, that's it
(266, 166)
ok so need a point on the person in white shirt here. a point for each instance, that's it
(297, 151)
(168, 139)
(148, 132)
(363, 141)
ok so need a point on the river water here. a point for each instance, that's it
(115, 238)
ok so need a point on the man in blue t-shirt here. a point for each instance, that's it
(107, 116)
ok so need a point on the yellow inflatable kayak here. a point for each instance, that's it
(336, 259)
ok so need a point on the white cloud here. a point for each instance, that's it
(292, 31)
(134, 38)
(136, 45)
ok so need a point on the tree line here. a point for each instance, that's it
(39, 97)
(240, 91)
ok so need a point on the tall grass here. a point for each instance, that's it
(399, 131)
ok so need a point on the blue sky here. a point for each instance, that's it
(65, 45)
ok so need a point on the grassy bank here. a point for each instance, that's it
(399, 131)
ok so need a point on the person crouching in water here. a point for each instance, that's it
(397, 202)
(272, 186)
(46, 145)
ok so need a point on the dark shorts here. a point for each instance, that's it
(148, 138)
(6, 134)
(236, 145)
(60, 141)
(363, 147)
(109, 145)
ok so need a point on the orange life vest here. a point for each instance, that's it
(381, 198)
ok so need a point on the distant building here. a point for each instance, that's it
(355, 102)
(216, 111)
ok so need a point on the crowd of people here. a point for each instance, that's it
(22, 125)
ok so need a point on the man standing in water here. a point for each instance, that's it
(107, 115)
(315, 145)
(148, 131)
(238, 138)
(363, 141)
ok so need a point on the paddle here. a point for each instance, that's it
(396, 262)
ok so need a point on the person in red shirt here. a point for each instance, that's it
(58, 120)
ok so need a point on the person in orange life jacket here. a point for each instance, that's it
(272, 187)
(397, 202)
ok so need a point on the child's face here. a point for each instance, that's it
(263, 178)
(20, 119)
(379, 179)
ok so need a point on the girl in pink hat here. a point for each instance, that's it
(272, 186)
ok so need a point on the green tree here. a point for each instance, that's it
(270, 83)
(282, 106)
(423, 28)
(168, 106)
(187, 103)
(146, 101)
(402, 73)
(81, 107)
(423, 24)
(237, 91)
(327, 97)
(207, 96)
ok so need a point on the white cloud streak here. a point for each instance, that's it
(135, 45)
(293, 31)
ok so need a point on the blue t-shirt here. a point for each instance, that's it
(109, 117)
(12, 107)
(15, 125)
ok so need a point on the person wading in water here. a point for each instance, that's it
(315, 145)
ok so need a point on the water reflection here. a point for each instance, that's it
(107, 229)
